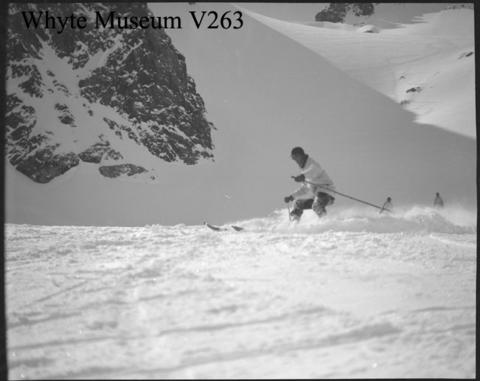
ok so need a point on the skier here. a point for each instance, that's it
(438, 202)
(387, 205)
(314, 192)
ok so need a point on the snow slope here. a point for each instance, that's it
(265, 93)
(354, 295)
(433, 58)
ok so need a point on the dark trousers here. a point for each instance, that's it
(318, 205)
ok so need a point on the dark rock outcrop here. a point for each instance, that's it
(465, 54)
(414, 89)
(113, 171)
(336, 12)
(65, 116)
(44, 165)
(96, 152)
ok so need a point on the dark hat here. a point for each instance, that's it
(297, 151)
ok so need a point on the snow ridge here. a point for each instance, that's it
(428, 66)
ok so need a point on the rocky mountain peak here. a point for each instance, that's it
(98, 95)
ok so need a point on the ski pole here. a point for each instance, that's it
(347, 196)
(289, 216)
(383, 208)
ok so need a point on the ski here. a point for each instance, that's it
(219, 228)
(213, 227)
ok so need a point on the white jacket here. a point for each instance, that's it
(314, 173)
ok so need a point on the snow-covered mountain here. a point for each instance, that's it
(118, 98)
(266, 93)
(428, 66)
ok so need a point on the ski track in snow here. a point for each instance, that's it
(272, 301)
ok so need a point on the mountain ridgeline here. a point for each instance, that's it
(98, 96)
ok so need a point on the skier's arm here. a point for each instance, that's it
(316, 175)
(313, 172)
(312, 169)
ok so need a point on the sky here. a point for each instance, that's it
(266, 94)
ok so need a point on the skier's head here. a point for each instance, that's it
(389, 199)
(438, 194)
(298, 155)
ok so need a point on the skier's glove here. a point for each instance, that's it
(299, 178)
(288, 199)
